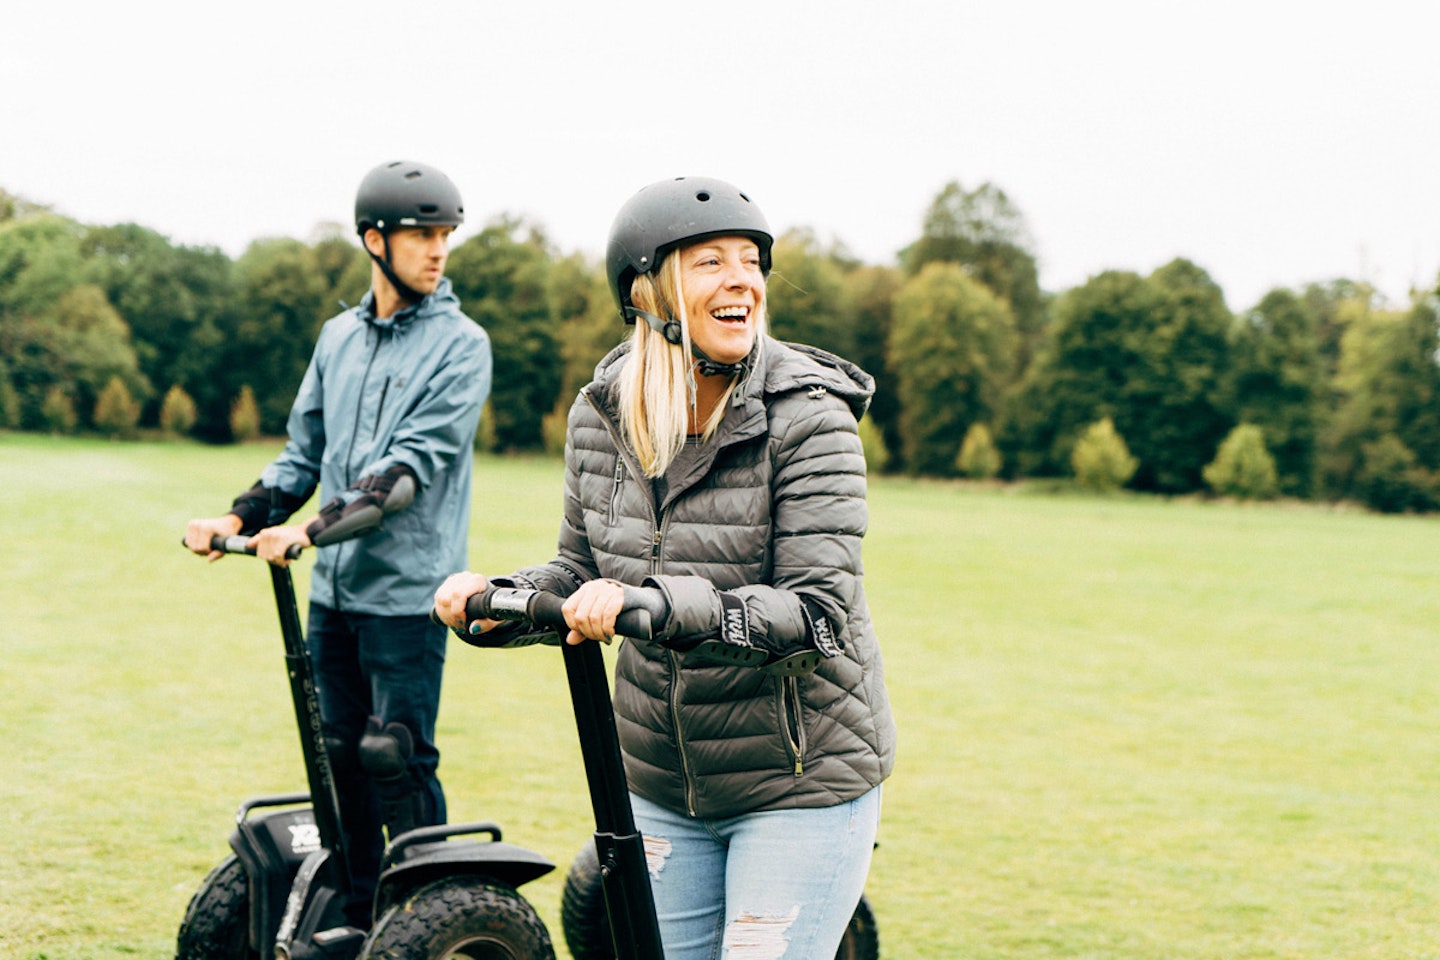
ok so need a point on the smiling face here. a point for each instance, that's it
(724, 288)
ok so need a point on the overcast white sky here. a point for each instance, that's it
(1273, 143)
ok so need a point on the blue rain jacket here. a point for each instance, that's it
(407, 389)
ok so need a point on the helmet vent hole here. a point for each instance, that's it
(412, 175)
(702, 196)
(428, 208)
(745, 198)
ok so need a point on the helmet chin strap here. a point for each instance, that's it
(714, 368)
(407, 292)
(670, 330)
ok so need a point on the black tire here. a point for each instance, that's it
(582, 909)
(862, 937)
(217, 921)
(587, 927)
(460, 918)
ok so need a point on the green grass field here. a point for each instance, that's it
(1130, 728)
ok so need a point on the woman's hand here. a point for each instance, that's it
(450, 600)
(591, 611)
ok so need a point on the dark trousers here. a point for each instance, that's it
(388, 668)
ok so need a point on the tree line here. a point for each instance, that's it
(1145, 381)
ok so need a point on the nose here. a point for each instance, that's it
(737, 275)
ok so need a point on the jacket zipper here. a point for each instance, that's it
(360, 405)
(380, 409)
(655, 544)
(615, 490)
(354, 432)
(792, 721)
(685, 774)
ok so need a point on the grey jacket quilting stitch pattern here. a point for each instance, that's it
(772, 508)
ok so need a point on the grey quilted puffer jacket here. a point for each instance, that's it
(772, 509)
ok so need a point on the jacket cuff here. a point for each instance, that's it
(694, 605)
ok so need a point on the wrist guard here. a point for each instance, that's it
(734, 644)
(262, 506)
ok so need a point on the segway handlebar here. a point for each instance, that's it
(643, 614)
(360, 522)
(241, 544)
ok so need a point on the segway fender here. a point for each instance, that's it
(271, 847)
(314, 927)
(419, 856)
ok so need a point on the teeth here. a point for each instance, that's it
(726, 313)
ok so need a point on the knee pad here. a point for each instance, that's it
(385, 753)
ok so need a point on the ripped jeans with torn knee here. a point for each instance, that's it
(774, 885)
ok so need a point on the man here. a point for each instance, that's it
(394, 389)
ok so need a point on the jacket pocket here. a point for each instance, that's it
(792, 722)
(615, 489)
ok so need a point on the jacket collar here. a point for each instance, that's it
(780, 368)
(401, 320)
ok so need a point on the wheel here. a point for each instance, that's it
(587, 927)
(460, 918)
(862, 937)
(582, 909)
(217, 922)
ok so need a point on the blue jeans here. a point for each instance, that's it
(775, 884)
(389, 668)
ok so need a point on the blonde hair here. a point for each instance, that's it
(657, 381)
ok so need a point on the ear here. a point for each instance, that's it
(375, 242)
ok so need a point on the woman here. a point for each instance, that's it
(724, 468)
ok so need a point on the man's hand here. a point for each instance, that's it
(271, 543)
(199, 533)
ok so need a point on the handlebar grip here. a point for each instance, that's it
(235, 544)
(511, 603)
(547, 610)
(634, 620)
(240, 544)
(643, 609)
(638, 621)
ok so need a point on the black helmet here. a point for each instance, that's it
(666, 214)
(405, 194)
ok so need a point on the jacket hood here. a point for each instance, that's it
(787, 367)
(783, 367)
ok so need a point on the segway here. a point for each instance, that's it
(283, 890)
(607, 907)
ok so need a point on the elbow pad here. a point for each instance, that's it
(379, 485)
(349, 516)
